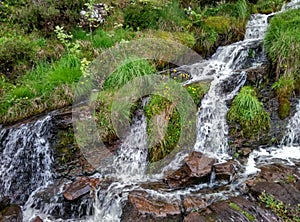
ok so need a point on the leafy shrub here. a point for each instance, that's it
(16, 54)
(269, 6)
(46, 14)
(141, 16)
(166, 15)
(247, 111)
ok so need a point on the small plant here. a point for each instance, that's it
(65, 38)
(236, 207)
(279, 208)
(248, 112)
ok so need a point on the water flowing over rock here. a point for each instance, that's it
(227, 71)
(81, 187)
(293, 130)
(26, 159)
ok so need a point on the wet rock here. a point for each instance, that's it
(80, 187)
(196, 168)
(192, 203)
(143, 207)
(234, 209)
(12, 213)
(280, 181)
(37, 219)
(225, 171)
(4, 202)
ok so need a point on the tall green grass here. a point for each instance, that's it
(38, 87)
(247, 111)
(128, 70)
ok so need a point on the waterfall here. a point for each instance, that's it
(131, 159)
(292, 136)
(130, 165)
(26, 159)
(224, 72)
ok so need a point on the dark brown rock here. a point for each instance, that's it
(234, 209)
(12, 213)
(225, 171)
(37, 219)
(4, 202)
(80, 187)
(192, 203)
(196, 168)
(143, 207)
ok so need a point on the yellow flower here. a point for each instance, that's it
(26, 97)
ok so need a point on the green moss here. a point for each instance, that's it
(164, 124)
(219, 24)
(236, 207)
(197, 91)
(66, 146)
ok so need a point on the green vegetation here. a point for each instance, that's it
(248, 113)
(164, 120)
(286, 213)
(45, 50)
(236, 207)
(130, 69)
(268, 6)
(282, 42)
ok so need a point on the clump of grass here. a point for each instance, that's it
(268, 6)
(128, 70)
(282, 42)
(247, 111)
(105, 39)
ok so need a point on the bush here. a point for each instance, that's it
(16, 55)
(46, 14)
(141, 16)
(269, 6)
(166, 15)
(248, 113)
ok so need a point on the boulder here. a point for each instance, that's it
(37, 219)
(192, 203)
(4, 202)
(80, 187)
(196, 169)
(12, 213)
(143, 207)
(225, 171)
(234, 209)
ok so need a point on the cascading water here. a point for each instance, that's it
(26, 159)
(222, 70)
(288, 151)
(130, 165)
(226, 80)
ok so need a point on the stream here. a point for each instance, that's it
(26, 163)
